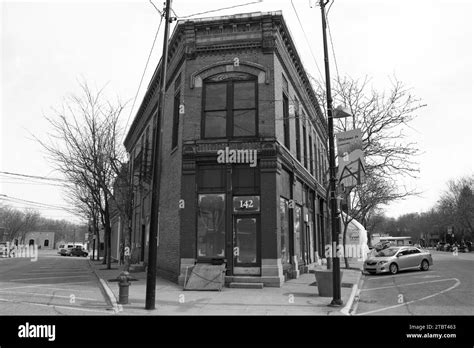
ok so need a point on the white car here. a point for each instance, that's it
(394, 259)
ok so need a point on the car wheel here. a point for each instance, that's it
(393, 268)
(425, 265)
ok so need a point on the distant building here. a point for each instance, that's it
(244, 154)
(44, 240)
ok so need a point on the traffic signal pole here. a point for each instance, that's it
(156, 173)
(336, 268)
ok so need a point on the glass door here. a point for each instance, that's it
(246, 249)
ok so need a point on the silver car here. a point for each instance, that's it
(396, 259)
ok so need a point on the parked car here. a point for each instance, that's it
(78, 251)
(395, 259)
(382, 245)
(65, 251)
(3, 249)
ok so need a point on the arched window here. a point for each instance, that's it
(46, 242)
(230, 106)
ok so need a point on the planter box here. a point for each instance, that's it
(324, 282)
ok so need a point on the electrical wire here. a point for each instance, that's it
(220, 9)
(33, 176)
(306, 38)
(40, 204)
(330, 39)
(156, 8)
(143, 74)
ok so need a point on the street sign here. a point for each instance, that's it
(351, 168)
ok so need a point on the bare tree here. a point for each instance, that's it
(12, 221)
(83, 147)
(457, 205)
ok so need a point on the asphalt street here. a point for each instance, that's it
(447, 288)
(51, 285)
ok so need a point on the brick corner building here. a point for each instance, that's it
(236, 90)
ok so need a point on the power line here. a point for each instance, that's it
(144, 70)
(45, 205)
(156, 8)
(30, 183)
(306, 38)
(33, 176)
(220, 9)
(330, 39)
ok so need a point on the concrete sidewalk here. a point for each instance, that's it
(295, 297)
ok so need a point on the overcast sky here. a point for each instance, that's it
(47, 46)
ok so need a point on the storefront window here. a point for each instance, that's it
(285, 231)
(298, 230)
(211, 226)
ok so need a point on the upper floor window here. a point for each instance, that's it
(298, 134)
(286, 121)
(176, 112)
(230, 106)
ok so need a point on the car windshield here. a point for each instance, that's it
(387, 252)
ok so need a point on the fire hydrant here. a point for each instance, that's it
(123, 282)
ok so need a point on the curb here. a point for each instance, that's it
(357, 296)
(106, 291)
(355, 289)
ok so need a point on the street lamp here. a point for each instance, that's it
(336, 269)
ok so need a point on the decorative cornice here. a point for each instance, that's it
(230, 63)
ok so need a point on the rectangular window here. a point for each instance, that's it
(305, 148)
(211, 226)
(246, 239)
(176, 106)
(298, 134)
(148, 167)
(285, 231)
(298, 229)
(215, 110)
(230, 106)
(316, 158)
(311, 155)
(245, 180)
(211, 179)
(286, 122)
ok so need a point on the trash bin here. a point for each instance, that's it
(324, 282)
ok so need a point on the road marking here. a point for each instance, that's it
(396, 276)
(38, 285)
(55, 306)
(398, 285)
(421, 299)
(348, 306)
(62, 277)
(49, 295)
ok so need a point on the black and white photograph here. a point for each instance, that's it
(196, 162)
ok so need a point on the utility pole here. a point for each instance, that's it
(336, 269)
(156, 172)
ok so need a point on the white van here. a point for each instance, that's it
(65, 247)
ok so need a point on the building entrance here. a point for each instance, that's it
(246, 241)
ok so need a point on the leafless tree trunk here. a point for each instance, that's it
(382, 118)
(83, 146)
